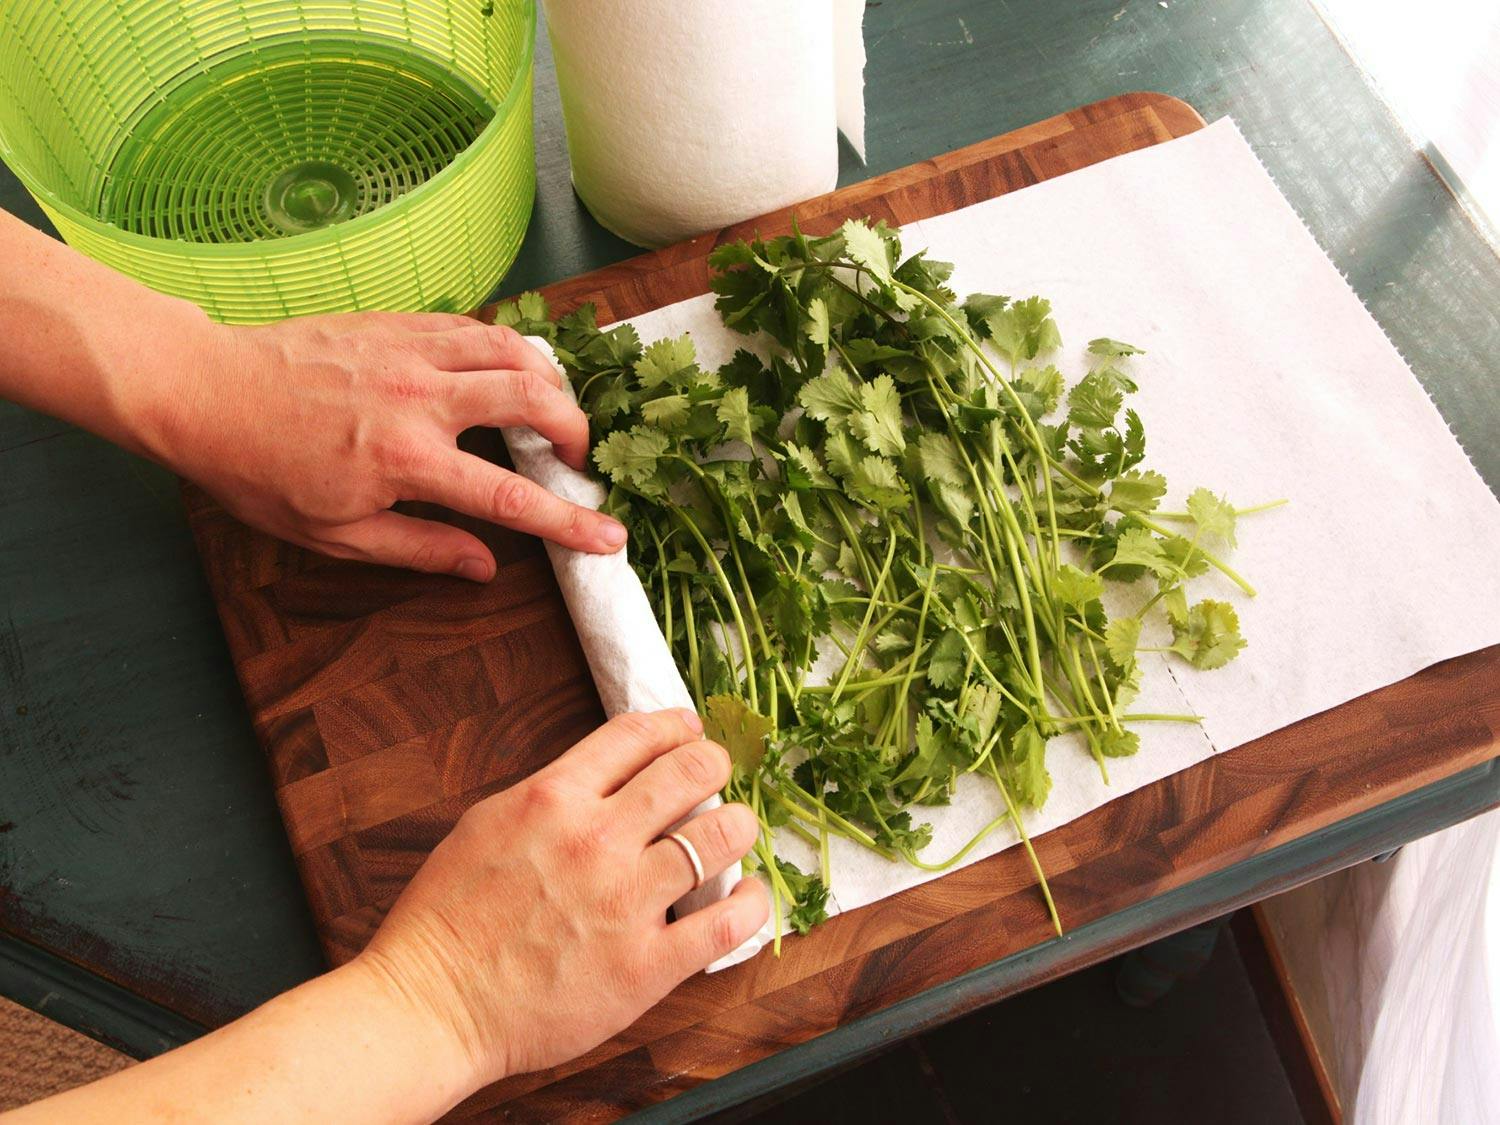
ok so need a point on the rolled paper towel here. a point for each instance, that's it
(632, 667)
(687, 117)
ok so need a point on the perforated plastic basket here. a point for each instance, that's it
(266, 158)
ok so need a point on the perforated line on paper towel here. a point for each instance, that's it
(1213, 747)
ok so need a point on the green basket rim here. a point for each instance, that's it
(310, 239)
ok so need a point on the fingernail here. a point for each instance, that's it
(475, 570)
(612, 534)
(690, 717)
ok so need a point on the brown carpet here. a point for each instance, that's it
(39, 1058)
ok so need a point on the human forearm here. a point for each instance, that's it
(535, 930)
(84, 343)
(346, 1046)
(311, 428)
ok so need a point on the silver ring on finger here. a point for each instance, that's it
(692, 854)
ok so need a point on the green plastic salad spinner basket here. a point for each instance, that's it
(269, 158)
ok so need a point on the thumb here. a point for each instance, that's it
(404, 541)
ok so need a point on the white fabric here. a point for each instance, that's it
(1265, 378)
(1428, 976)
(1403, 957)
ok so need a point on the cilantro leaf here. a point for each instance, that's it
(1174, 603)
(935, 758)
(527, 314)
(632, 457)
(1137, 491)
(1213, 515)
(865, 246)
(667, 411)
(1122, 636)
(863, 351)
(1138, 547)
(614, 399)
(1119, 743)
(979, 307)
(666, 361)
(955, 501)
(842, 453)
(1023, 329)
(946, 661)
(939, 459)
(742, 732)
(1043, 386)
(1210, 636)
(809, 897)
(1026, 763)
(1074, 587)
(1113, 348)
(1094, 402)
(832, 397)
(734, 412)
(1184, 557)
(877, 483)
(817, 329)
(878, 424)
(803, 469)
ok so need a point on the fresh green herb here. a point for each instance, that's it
(905, 489)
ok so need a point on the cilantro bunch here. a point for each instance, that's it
(907, 497)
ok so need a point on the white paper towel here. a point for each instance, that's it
(1264, 378)
(632, 667)
(684, 118)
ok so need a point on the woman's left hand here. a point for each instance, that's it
(538, 928)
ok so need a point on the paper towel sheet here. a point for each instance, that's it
(849, 70)
(1264, 378)
(632, 667)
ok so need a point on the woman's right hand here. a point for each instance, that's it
(538, 928)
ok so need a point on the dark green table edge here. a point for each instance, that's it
(1340, 845)
(77, 998)
(73, 996)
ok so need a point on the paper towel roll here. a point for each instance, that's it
(631, 664)
(686, 117)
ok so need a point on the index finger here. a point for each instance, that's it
(476, 487)
(625, 745)
(485, 347)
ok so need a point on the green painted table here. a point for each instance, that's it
(146, 888)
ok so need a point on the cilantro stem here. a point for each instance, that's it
(1218, 564)
(1044, 459)
(1036, 864)
(690, 627)
(1073, 669)
(734, 605)
(995, 681)
(859, 637)
(1109, 703)
(1184, 517)
(856, 685)
(1145, 717)
(845, 827)
(905, 685)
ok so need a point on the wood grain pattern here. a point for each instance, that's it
(389, 702)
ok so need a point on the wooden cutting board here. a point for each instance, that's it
(389, 702)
